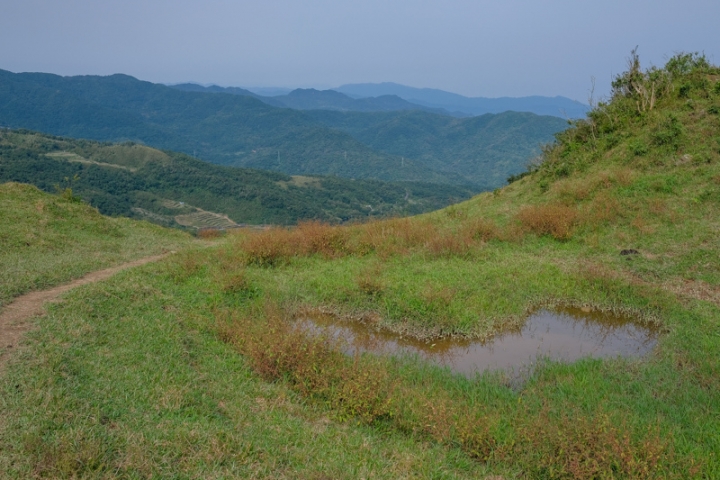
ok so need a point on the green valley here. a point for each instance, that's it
(174, 189)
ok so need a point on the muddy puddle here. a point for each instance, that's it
(566, 334)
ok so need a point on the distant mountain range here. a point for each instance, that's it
(556, 106)
(240, 130)
(386, 97)
(311, 99)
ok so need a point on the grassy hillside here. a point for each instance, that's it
(173, 189)
(47, 240)
(485, 150)
(641, 174)
(194, 368)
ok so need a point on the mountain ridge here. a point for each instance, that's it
(557, 106)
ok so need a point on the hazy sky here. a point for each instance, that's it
(476, 48)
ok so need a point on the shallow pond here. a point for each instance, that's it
(566, 334)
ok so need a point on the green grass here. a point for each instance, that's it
(128, 379)
(47, 240)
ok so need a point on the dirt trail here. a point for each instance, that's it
(14, 317)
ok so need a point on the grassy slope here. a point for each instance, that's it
(47, 240)
(128, 379)
(626, 178)
(86, 397)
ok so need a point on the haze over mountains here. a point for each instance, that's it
(381, 97)
(312, 99)
(429, 97)
(398, 144)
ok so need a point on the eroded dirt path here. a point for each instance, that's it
(15, 316)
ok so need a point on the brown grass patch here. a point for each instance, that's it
(601, 210)
(551, 219)
(481, 229)
(449, 244)
(278, 245)
(574, 445)
(640, 224)
(208, 233)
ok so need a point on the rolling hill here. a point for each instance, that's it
(174, 189)
(239, 130)
(485, 150)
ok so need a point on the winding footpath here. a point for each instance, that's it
(15, 317)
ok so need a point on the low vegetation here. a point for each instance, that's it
(199, 366)
(50, 239)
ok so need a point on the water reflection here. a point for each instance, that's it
(566, 334)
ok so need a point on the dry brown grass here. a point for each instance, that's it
(642, 225)
(601, 210)
(481, 229)
(209, 233)
(277, 245)
(312, 363)
(555, 220)
(385, 238)
(573, 190)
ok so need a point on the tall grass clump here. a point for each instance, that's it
(554, 220)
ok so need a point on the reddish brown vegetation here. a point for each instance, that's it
(208, 233)
(555, 220)
(385, 238)
(575, 445)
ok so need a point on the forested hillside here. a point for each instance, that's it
(174, 189)
(484, 150)
(239, 130)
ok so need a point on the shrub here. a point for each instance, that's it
(638, 148)
(669, 133)
(552, 219)
(269, 247)
(208, 233)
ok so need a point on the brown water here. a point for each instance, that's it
(566, 334)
